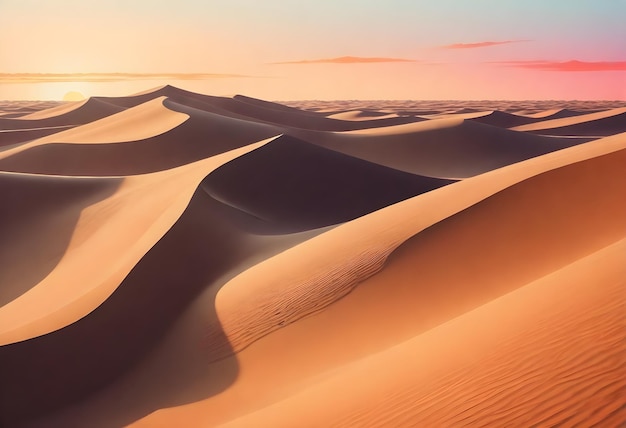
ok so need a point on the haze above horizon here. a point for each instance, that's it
(296, 50)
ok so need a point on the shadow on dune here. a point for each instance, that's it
(252, 109)
(503, 119)
(203, 135)
(291, 185)
(593, 127)
(90, 110)
(38, 216)
(8, 138)
(197, 255)
(446, 148)
(209, 244)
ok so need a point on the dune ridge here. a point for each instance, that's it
(237, 295)
(180, 259)
(486, 385)
(360, 256)
(445, 148)
(77, 113)
(601, 123)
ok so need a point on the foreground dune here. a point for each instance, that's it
(555, 356)
(192, 260)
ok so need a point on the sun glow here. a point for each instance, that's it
(73, 96)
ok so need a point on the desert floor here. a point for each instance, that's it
(173, 259)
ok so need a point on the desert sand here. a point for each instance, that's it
(179, 259)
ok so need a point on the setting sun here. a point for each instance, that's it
(73, 96)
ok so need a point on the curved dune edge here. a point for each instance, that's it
(556, 113)
(200, 136)
(37, 218)
(554, 355)
(505, 119)
(9, 138)
(298, 355)
(444, 148)
(360, 115)
(292, 357)
(143, 121)
(280, 290)
(571, 120)
(121, 229)
(294, 186)
(320, 346)
(73, 114)
(55, 111)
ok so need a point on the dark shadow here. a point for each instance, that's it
(92, 109)
(203, 135)
(209, 244)
(197, 255)
(38, 216)
(290, 185)
(8, 138)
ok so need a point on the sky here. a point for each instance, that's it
(316, 49)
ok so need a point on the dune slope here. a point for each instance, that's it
(601, 123)
(201, 136)
(77, 113)
(292, 185)
(265, 307)
(180, 259)
(447, 148)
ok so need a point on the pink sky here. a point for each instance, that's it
(348, 49)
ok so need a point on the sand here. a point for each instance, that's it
(180, 259)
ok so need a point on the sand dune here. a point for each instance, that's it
(291, 185)
(137, 214)
(426, 107)
(555, 114)
(10, 137)
(503, 119)
(360, 115)
(271, 105)
(532, 367)
(77, 113)
(38, 219)
(601, 123)
(146, 120)
(447, 148)
(180, 259)
(305, 121)
(202, 135)
(12, 109)
(242, 107)
(359, 324)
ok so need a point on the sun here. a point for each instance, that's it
(73, 96)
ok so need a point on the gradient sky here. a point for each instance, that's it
(316, 49)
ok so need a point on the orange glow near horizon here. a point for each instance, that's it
(319, 50)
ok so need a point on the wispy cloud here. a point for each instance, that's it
(107, 77)
(567, 65)
(347, 60)
(481, 44)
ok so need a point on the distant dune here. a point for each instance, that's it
(601, 123)
(180, 259)
(446, 148)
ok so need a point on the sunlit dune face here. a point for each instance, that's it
(73, 96)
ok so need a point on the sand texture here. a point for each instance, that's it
(179, 259)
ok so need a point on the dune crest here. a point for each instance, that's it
(172, 258)
(601, 123)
